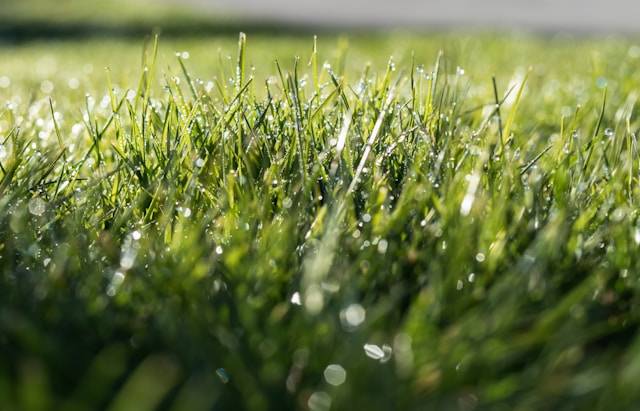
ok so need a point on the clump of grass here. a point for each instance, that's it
(389, 242)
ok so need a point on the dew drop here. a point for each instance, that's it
(352, 316)
(609, 133)
(46, 87)
(73, 83)
(37, 206)
(223, 375)
(319, 401)
(314, 299)
(601, 82)
(387, 353)
(128, 258)
(76, 129)
(335, 374)
(469, 198)
(295, 299)
(373, 351)
(118, 278)
(116, 282)
(382, 246)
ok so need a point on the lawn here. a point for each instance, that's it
(29, 19)
(279, 223)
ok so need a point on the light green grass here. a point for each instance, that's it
(228, 232)
(107, 13)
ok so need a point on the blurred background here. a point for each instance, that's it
(618, 15)
(42, 18)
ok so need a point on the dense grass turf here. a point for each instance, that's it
(214, 230)
(26, 20)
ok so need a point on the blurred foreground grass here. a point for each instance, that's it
(215, 230)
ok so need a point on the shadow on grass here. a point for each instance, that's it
(25, 31)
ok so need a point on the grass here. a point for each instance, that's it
(28, 20)
(220, 231)
(115, 12)
(24, 20)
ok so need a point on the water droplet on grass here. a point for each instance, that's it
(601, 82)
(73, 83)
(335, 374)
(314, 299)
(46, 87)
(295, 299)
(373, 351)
(387, 353)
(116, 282)
(128, 258)
(382, 246)
(37, 206)
(118, 278)
(470, 196)
(319, 401)
(76, 129)
(352, 316)
(223, 375)
(200, 162)
(609, 133)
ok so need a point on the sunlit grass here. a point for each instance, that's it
(230, 227)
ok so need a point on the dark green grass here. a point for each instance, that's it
(27, 19)
(405, 231)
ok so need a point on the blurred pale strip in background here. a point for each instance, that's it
(552, 15)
